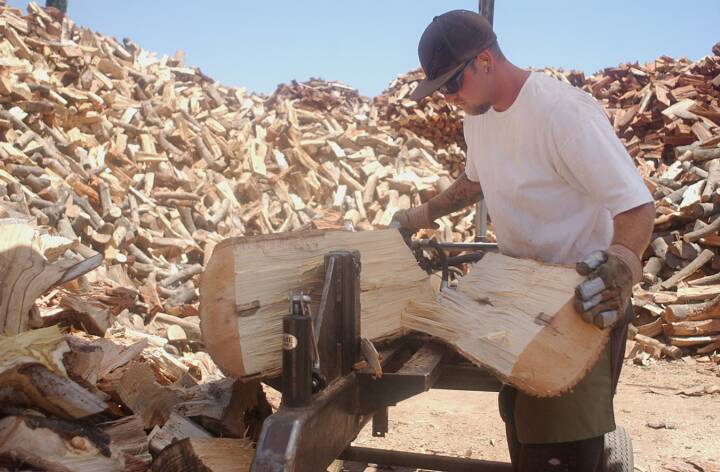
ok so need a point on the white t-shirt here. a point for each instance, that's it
(553, 172)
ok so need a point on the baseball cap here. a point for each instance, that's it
(447, 43)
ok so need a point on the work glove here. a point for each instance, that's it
(413, 219)
(602, 298)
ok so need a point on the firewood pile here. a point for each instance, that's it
(121, 170)
(432, 118)
(668, 116)
(150, 163)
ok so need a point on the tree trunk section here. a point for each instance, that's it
(514, 317)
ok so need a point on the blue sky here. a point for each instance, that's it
(367, 43)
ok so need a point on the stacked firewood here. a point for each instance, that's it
(150, 163)
(432, 118)
(668, 116)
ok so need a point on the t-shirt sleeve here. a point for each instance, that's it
(591, 158)
(470, 170)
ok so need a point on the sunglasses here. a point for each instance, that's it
(454, 83)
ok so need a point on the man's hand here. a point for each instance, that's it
(603, 297)
(413, 219)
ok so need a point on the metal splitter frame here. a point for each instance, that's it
(325, 403)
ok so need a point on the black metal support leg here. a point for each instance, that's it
(297, 360)
(380, 423)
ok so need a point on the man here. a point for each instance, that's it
(559, 186)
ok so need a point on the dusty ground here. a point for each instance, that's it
(467, 424)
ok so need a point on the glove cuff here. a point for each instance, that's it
(630, 259)
(428, 218)
(419, 216)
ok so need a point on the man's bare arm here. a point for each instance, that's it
(462, 193)
(633, 228)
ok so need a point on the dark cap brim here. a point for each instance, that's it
(427, 87)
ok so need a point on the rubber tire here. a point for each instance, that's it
(618, 453)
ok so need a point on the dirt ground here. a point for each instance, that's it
(670, 431)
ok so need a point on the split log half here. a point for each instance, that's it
(244, 290)
(514, 317)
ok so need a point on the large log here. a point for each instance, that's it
(244, 289)
(514, 317)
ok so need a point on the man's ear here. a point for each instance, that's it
(485, 60)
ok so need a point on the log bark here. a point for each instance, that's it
(53, 393)
(693, 312)
(31, 365)
(709, 229)
(702, 259)
(689, 341)
(693, 328)
(661, 348)
(652, 329)
(58, 446)
(206, 455)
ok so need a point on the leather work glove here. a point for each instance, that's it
(602, 298)
(413, 219)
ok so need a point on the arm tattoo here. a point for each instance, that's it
(462, 193)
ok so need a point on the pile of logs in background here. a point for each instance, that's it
(121, 170)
